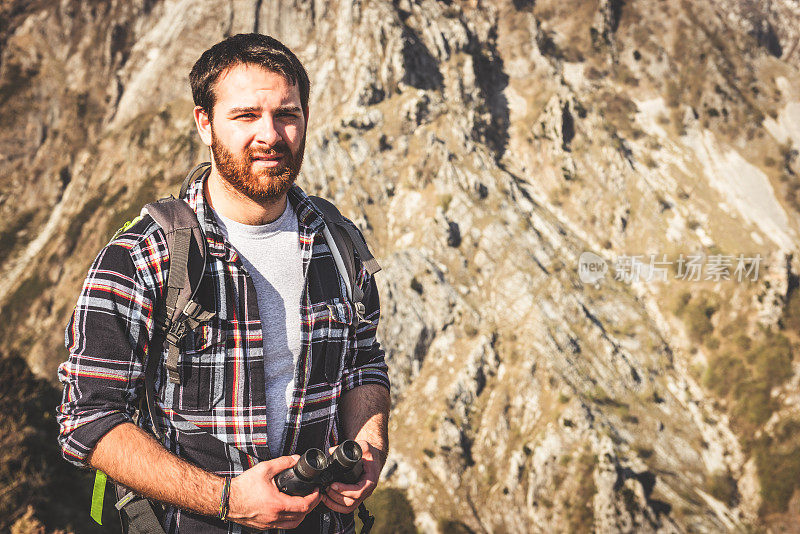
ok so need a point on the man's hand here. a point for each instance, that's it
(365, 416)
(345, 498)
(256, 502)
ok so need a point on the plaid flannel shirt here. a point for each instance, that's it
(217, 416)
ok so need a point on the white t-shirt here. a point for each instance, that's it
(271, 256)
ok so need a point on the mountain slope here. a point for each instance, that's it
(483, 147)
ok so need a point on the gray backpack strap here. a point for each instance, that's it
(187, 252)
(333, 217)
(194, 174)
(346, 241)
(137, 514)
(187, 259)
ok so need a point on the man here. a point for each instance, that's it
(255, 381)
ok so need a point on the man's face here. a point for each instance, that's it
(257, 132)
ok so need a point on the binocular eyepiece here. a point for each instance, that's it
(315, 470)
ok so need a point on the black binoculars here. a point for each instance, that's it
(315, 470)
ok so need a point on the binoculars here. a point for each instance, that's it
(315, 470)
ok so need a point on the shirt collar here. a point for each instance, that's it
(309, 218)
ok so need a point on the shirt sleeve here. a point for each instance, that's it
(369, 364)
(106, 337)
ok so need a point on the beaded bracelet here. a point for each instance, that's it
(223, 500)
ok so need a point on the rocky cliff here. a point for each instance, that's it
(483, 147)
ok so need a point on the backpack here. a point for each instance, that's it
(182, 314)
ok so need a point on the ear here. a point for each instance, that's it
(203, 123)
(305, 115)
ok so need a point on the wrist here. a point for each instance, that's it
(381, 456)
(234, 502)
(378, 454)
(223, 510)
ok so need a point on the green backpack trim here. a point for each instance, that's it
(126, 226)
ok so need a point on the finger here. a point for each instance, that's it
(352, 490)
(273, 467)
(301, 505)
(335, 506)
(335, 497)
(341, 486)
(312, 499)
(347, 500)
(315, 502)
(283, 515)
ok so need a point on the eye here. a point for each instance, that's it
(288, 114)
(245, 116)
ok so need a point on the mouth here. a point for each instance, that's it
(270, 159)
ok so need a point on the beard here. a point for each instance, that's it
(265, 186)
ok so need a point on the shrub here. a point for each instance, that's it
(698, 314)
(791, 312)
(452, 526)
(725, 372)
(392, 511)
(682, 302)
(416, 285)
(773, 360)
(778, 472)
(722, 486)
(581, 513)
(753, 405)
(444, 201)
(743, 341)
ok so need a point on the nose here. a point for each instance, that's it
(267, 132)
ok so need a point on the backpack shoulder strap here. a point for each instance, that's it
(345, 241)
(334, 217)
(187, 250)
(193, 175)
(181, 313)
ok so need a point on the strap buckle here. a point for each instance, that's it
(192, 316)
(125, 500)
(361, 310)
(176, 332)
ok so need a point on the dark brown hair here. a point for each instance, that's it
(244, 49)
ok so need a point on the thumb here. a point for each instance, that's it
(273, 467)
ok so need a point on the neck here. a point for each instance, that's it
(230, 203)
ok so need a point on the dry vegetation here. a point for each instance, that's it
(392, 512)
(40, 491)
(743, 371)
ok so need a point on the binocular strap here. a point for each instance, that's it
(367, 520)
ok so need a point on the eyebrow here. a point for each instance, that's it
(257, 109)
(290, 109)
(244, 109)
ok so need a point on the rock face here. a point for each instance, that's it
(482, 147)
